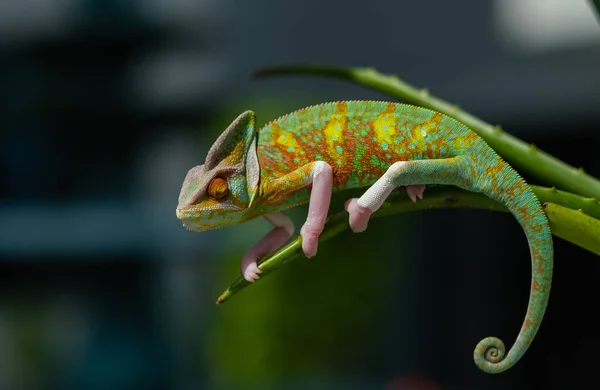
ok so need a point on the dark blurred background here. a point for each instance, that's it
(105, 105)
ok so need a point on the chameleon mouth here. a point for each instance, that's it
(194, 225)
(182, 214)
(192, 221)
(201, 228)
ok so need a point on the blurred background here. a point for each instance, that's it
(105, 105)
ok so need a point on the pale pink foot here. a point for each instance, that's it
(360, 209)
(283, 230)
(415, 191)
(318, 206)
(310, 240)
(359, 215)
(251, 272)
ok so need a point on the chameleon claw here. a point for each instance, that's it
(251, 273)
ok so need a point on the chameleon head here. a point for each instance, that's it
(221, 191)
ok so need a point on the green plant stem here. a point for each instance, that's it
(573, 226)
(589, 206)
(521, 155)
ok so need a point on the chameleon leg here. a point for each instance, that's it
(359, 216)
(320, 174)
(408, 173)
(282, 231)
(318, 207)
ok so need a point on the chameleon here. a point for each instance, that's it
(311, 153)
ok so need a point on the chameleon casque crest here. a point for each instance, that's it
(307, 155)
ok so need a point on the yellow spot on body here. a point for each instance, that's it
(465, 141)
(459, 143)
(420, 132)
(385, 128)
(333, 131)
(289, 141)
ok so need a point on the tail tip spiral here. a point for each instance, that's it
(489, 354)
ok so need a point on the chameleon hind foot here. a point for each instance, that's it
(360, 214)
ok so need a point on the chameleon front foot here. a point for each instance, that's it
(310, 239)
(251, 272)
(318, 207)
(283, 228)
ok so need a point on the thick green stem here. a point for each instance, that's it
(573, 226)
(521, 155)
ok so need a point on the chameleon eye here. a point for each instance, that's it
(217, 188)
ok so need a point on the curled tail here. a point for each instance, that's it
(502, 183)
